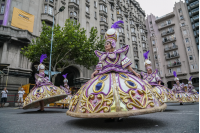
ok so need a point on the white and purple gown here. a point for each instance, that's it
(114, 91)
(161, 91)
(193, 93)
(181, 94)
(44, 91)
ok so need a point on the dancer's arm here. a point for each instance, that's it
(136, 74)
(93, 74)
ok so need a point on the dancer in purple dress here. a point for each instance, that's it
(44, 92)
(179, 90)
(115, 89)
(192, 92)
(155, 81)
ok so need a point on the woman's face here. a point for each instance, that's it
(177, 82)
(41, 70)
(108, 46)
(149, 71)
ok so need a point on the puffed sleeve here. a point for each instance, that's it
(125, 61)
(99, 66)
(158, 78)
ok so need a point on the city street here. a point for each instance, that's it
(175, 119)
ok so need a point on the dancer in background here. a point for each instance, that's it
(192, 92)
(154, 80)
(44, 92)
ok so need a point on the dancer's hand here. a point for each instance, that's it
(138, 75)
(92, 76)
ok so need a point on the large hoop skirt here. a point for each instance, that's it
(46, 93)
(114, 95)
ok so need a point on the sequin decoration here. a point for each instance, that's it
(102, 78)
(123, 75)
(98, 86)
(131, 84)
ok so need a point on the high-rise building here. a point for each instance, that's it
(193, 11)
(100, 14)
(173, 47)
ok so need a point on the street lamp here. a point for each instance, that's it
(60, 10)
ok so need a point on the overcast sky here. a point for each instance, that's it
(157, 7)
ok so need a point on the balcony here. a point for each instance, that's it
(144, 48)
(195, 11)
(173, 56)
(171, 48)
(102, 2)
(194, 4)
(166, 26)
(103, 23)
(167, 33)
(121, 34)
(111, 1)
(19, 34)
(167, 16)
(169, 40)
(135, 49)
(47, 18)
(136, 57)
(195, 18)
(102, 12)
(196, 25)
(73, 5)
(175, 64)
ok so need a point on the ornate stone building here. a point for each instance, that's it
(173, 46)
(100, 14)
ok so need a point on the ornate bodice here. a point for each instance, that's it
(113, 61)
(41, 80)
(152, 78)
(190, 89)
(66, 89)
(178, 88)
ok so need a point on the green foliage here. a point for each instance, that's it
(70, 45)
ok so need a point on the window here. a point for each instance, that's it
(186, 40)
(170, 71)
(2, 9)
(184, 32)
(132, 30)
(153, 42)
(127, 35)
(192, 67)
(182, 24)
(179, 69)
(121, 30)
(155, 56)
(131, 22)
(112, 16)
(126, 27)
(179, 10)
(188, 49)
(71, 13)
(50, 10)
(51, 1)
(144, 45)
(181, 17)
(87, 9)
(103, 8)
(95, 4)
(75, 14)
(133, 38)
(190, 57)
(45, 8)
(46, 0)
(150, 22)
(95, 14)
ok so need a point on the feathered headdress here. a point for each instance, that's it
(147, 62)
(146, 55)
(112, 34)
(65, 75)
(43, 56)
(175, 75)
(190, 80)
(116, 24)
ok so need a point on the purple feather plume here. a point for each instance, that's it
(190, 78)
(65, 75)
(146, 54)
(174, 74)
(43, 56)
(116, 24)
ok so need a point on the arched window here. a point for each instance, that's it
(75, 14)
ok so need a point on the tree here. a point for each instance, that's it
(70, 45)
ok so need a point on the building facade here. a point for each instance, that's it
(100, 14)
(173, 46)
(193, 11)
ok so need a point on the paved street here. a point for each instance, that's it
(175, 119)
